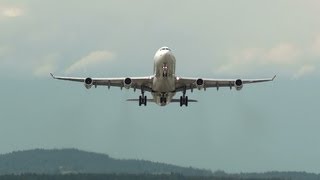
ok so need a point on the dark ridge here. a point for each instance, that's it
(77, 164)
(73, 161)
(119, 177)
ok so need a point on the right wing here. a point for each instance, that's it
(183, 84)
(144, 83)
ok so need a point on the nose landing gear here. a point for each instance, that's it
(163, 98)
(165, 70)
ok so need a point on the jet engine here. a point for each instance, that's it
(88, 82)
(199, 83)
(238, 84)
(127, 82)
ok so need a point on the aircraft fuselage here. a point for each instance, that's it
(163, 87)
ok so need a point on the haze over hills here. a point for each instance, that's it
(65, 161)
(76, 162)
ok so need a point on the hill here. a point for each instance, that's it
(68, 161)
(121, 177)
(76, 164)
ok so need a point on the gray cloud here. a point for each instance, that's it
(46, 65)
(298, 61)
(92, 59)
(12, 12)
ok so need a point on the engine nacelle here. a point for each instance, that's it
(238, 84)
(127, 82)
(88, 82)
(199, 83)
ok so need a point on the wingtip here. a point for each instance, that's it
(52, 76)
(274, 77)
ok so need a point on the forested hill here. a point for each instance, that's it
(66, 161)
(76, 164)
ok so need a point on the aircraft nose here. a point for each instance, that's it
(166, 54)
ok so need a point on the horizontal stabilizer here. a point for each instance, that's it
(178, 100)
(137, 100)
(173, 100)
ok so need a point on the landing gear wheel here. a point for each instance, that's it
(140, 100)
(183, 100)
(163, 100)
(164, 75)
(145, 101)
(186, 101)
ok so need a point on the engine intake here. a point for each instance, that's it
(238, 84)
(200, 83)
(88, 82)
(127, 82)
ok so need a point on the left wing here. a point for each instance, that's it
(183, 84)
(144, 83)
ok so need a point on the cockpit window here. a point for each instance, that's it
(165, 48)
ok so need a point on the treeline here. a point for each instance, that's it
(66, 161)
(73, 163)
(275, 174)
(119, 177)
(290, 175)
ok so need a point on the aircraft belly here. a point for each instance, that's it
(157, 98)
(163, 90)
(163, 84)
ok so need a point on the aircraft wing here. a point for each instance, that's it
(144, 83)
(198, 83)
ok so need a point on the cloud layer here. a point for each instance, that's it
(304, 70)
(92, 59)
(46, 65)
(11, 11)
(284, 57)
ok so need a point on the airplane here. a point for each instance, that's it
(163, 84)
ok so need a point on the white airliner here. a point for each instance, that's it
(164, 83)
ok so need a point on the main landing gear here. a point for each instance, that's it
(142, 99)
(184, 99)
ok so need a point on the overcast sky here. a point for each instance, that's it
(264, 127)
